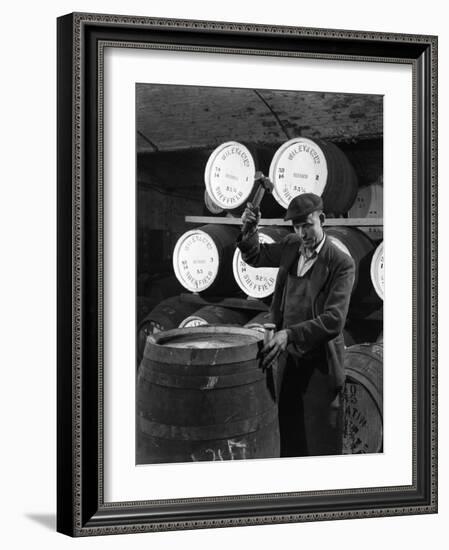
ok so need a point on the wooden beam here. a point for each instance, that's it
(228, 220)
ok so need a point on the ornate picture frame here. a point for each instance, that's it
(82, 509)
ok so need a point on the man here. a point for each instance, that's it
(309, 308)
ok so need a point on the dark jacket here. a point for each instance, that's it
(331, 282)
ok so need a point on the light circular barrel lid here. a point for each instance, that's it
(256, 282)
(229, 175)
(193, 321)
(196, 260)
(377, 271)
(298, 166)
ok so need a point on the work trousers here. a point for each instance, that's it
(310, 409)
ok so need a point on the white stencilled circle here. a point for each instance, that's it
(377, 271)
(196, 260)
(298, 166)
(229, 175)
(256, 282)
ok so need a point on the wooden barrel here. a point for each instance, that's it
(258, 282)
(357, 245)
(202, 259)
(377, 270)
(216, 315)
(361, 331)
(143, 306)
(166, 315)
(229, 177)
(302, 165)
(369, 204)
(201, 395)
(211, 206)
(153, 289)
(257, 322)
(363, 399)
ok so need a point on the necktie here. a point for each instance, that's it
(307, 253)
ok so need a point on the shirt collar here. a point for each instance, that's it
(321, 244)
(311, 254)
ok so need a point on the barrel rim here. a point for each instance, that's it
(363, 347)
(339, 244)
(208, 169)
(155, 349)
(256, 326)
(374, 269)
(275, 161)
(175, 258)
(356, 239)
(211, 205)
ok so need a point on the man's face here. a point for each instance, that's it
(310, 230)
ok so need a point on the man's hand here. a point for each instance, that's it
(274, 348)
(250, 218)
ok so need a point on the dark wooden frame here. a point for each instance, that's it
(81, 509)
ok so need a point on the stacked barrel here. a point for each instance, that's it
(223, 291)
(300, 165)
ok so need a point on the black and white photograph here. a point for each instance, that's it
(259, 273)
(195, 201)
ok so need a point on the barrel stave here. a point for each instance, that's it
(363, 399)
(260, 444)
(204, 406)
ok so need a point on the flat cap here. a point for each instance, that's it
(302, 205)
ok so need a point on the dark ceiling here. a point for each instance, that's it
(190, 117)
